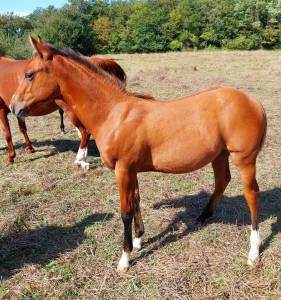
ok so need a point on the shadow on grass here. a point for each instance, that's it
(40, 246)
(63, 145)
(231, 210)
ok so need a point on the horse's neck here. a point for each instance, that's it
(91, 96)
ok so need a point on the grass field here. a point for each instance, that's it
(61, 231)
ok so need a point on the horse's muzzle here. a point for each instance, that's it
(20, 110)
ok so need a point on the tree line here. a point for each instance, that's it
(106, 26)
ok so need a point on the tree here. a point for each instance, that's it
(69, 27)
(146, 30)
(102, 27)
(13, 36)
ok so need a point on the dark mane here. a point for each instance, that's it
(83, 60)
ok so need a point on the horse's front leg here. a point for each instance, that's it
(23, 129)
(4, 124)
(139, 227)
(126, 183)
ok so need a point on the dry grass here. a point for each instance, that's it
(61, 232)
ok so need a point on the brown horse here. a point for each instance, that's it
(9, 81)
(134, 136)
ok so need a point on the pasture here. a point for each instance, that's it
(61, 231)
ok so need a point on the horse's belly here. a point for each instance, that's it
(180, 160)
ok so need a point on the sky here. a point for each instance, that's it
(25, 7)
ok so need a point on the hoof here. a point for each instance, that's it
(137, 244)
(124, 263)
(253, 263)
(30, 150)
(122, 269)
(85, 166)
(9, 162)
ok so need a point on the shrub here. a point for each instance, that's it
(243, 42)
(175, 45)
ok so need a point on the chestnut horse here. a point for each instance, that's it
(134, 136)
(9, 81)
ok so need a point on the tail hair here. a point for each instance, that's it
(265, 129)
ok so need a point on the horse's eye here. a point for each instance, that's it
(29, 75)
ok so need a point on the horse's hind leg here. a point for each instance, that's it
(139, 227)
(61, 121)
(251, 193)
(4, 123)
(222, 178)
(23, 130)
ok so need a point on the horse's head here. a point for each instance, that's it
(37, 87)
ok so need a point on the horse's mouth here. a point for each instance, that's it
(23, 113)
(19, 110)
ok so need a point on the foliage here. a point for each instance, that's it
(13, 36)
(106, 26)
(69, 27)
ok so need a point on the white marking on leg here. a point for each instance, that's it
(82, 155)
(255, 242)
(137, 243)
(85, 165)
(81, 158)
(124, 261)
(79, 133)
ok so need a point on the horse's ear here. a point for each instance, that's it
(41, 48)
